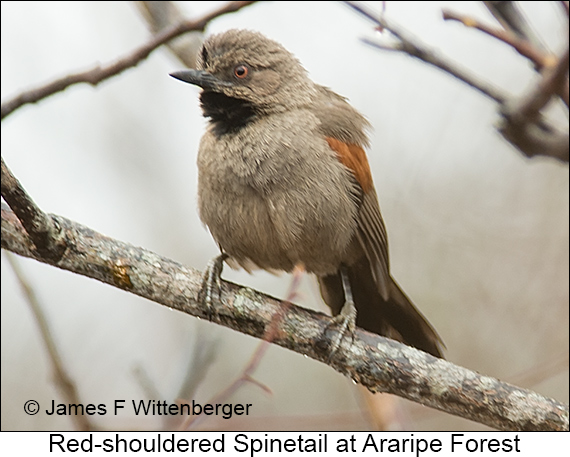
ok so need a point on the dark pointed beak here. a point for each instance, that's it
(205, 80)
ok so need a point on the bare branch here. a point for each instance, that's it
(524, 47)
(511, 18)
(102, 72)
(380, 364)
(523, 124)
(411, 46)
(43, 230)
(542, 61)
(203, 355)
(551, 83)
(542, 371)
(532, 135)
(63, 381)
(247, 373)
(161, 15)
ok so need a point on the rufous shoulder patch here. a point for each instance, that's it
(354, 158)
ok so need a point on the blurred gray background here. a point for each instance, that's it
(478, 234)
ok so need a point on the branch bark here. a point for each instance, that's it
(380, 364)
(43, 230)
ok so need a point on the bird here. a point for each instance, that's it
(284, 181)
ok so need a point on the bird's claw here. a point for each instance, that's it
(210, 292)
(345, 321)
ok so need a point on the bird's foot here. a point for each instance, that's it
(345, 323)
(211, 290)
(346, 319)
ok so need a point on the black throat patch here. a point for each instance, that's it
(227, 114)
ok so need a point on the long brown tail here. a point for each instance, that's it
(396, 318)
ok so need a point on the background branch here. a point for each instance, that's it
(414, 48)
(380, 364)
(159, 15)
(246, 376)
(509, 15)
(100, 73)
(524, 47)
(532, 135)
(62, 379)
(542, 60)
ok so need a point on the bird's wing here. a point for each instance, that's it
(345, 131)
(371, 229)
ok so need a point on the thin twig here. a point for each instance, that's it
(523, 123)
(414, 48)
(524, 47)
(551, 83)
(541, 372)
(204, 353)
(378, 363)
(509, 15)
(531, 135)
(63, 381)
(542, 61)
(161, 15)
(247, 374)
(100, 73)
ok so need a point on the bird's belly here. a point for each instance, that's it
(281, 200)
(280, 229)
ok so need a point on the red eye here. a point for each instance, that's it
(241, 71)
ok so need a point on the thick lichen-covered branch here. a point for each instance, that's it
(380, 364)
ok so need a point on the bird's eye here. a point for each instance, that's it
(241, 71)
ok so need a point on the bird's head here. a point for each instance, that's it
(244, 74)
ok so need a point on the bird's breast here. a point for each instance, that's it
(276, 195)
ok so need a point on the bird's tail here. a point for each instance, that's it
(396, 318)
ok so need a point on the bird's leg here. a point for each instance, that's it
(346, 319)
(212, 284)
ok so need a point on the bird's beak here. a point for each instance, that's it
(205, 80)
